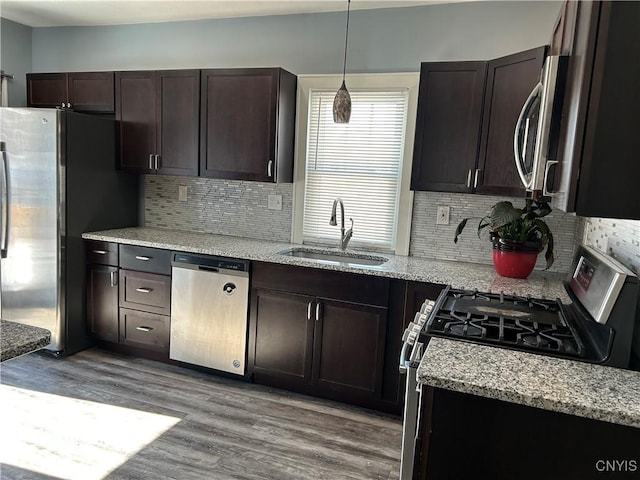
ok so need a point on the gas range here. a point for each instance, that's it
(597, 326)
(510, 321)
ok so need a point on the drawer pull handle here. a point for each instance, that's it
(144, 290)
(142, 328)
(143, 258)
(100, 252)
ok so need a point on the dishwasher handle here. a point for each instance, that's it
(209, 263)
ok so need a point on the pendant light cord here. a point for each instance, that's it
(346, 41)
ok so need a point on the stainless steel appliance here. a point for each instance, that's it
(596, 327)
(58, 179)
(535, 141)
(209, 308)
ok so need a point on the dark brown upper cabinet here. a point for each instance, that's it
(80, 91)
(158, 121)
(247, 124)
(448, 125)
(510, 80)
(599, 143)
(467, 114)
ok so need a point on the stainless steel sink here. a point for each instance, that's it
(336, 258)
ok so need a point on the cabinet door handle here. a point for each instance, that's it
(469, 179)
(68, 104)
(143, 258)
(151, 161)
(99, 252)
(318, 312)
(270, 168)
(62, 105)
(156, 161)
(113, 279)
(144, 290)
(309, 310)
(142, 328)
(475, 178)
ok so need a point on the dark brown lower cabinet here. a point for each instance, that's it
(349, 349)
(323, 333)
(282, 337)
(102, 302)
(465, 436)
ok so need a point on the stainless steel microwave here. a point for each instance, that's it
(535, 140)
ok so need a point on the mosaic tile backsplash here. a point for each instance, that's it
(224, 207)
(618, 238)
(436, 241)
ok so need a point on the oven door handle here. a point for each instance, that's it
(404, 357)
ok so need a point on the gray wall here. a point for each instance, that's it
(381, 40)
(15, 58)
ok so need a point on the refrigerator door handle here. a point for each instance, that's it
(4, 234)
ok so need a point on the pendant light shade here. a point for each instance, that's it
(342, 101)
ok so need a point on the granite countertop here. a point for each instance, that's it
(577, 388)
(18, 339)
(458, 274)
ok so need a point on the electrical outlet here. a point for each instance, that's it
(443, 215)
(182, 193)
(275, 202)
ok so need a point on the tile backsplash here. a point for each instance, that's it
(618, 238)
(225, 207)
(436, 241)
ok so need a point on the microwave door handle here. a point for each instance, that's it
(545, 191)
(518, 153)
(4, 206)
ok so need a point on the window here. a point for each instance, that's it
(363, 162)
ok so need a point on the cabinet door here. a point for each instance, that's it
(91, 91)
(349, 349)
(281, 338)
(510, 80)
(238, 125)
(102, 302)
(448, 125)
(178, 107)
(47, 90)
(136, 115)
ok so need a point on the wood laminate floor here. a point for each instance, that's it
(99, 415)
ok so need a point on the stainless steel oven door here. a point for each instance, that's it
(412, 397)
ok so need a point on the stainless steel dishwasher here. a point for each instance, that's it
(209, 300)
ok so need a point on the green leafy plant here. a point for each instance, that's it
(518, 228)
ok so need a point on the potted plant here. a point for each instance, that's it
(518, 236)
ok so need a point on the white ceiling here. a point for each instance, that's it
(49, 13)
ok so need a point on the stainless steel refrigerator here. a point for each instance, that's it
(58, 179)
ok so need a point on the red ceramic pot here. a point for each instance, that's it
(514, 264)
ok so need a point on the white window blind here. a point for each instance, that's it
(359, 162)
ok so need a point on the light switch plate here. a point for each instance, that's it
(182, 193)
(275, 202)
(443, 215)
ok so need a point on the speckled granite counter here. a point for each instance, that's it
(458, 274)
(577, 388)
(18, 339)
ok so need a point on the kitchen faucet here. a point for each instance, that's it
(344, 237)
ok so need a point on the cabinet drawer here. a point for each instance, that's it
(145, 259)
(101, 253)
(145, 291)
(146, 330)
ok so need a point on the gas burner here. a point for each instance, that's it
(466, 330)
(536, 303)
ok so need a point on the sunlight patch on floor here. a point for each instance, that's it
(71, 438)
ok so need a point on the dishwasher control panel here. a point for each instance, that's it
(209, 262)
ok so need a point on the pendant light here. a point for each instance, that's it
(342, 101)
